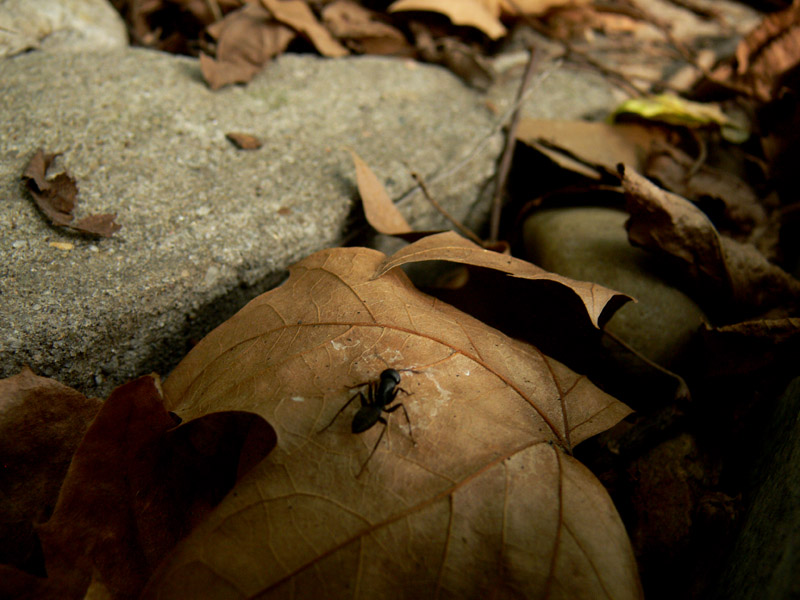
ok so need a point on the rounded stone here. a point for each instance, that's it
(591, 244)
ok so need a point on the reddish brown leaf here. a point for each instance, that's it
(244, 141)
(57, 198)
(136, 485)
(297, 15)
(248, 39)
(41, 424)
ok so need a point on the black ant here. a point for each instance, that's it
(379, 396)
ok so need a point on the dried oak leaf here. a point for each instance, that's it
(41, 424)
(136, 485)
(470, 13)
(666, 223)
(487, 501)
(297, 15)
(57, 198)
(247, 39)
(362, 30)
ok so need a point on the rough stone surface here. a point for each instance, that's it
(591, 244)
(766, 558)
(206, 226)
(60, 25)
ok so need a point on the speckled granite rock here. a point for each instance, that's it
(206, 226)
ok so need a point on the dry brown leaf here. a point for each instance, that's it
(487, 500)
(379, 209)
(750, 346)
(600, 302)
(767, 53)
(470, 13)
(736, 207)
(297, 15)
(244, 141)
(247, 39)
(594, 144)
(41, 424)
(528, 7)
(669, 224)
(57, 198)
(136, 485)
(363, 30)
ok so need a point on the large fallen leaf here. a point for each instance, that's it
(57, 198)
(41, 424)
(487, 502)
(136, 485)
(247, 39)
(297, 15)
(668, 224)
(470, 13)
(600, 302)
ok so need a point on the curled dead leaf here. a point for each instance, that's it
(671, 225)
(486, 501)
(600, 302)
(57, 198)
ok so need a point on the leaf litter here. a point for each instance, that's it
(434, 371)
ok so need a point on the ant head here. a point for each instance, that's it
(391, 374)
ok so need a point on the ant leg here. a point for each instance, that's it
(341, 409)
(375, 447)
(405, 412)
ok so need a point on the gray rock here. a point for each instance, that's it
(591, 244)
(205, 226)
(60, 25)
(766, 558)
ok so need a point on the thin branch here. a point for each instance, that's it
(508, 152)
(458, 225)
